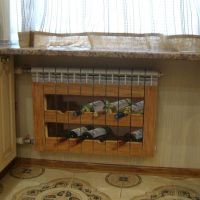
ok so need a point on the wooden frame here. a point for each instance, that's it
(109, 147)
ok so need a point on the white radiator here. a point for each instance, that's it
(97, 76)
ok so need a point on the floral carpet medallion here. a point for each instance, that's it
(61, 189)
(26, 172)
(172, 192)
(123, 180)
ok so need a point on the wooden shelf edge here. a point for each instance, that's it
(108, 147)
(101, 90)
(53, 116)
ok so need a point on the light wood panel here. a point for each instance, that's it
(149, 120)
(7, 114)
(38, 115)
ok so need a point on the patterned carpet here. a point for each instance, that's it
(123, 180)
(172, 192)
(61, 189)
(94, 186)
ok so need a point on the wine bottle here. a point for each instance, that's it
(137, 108)
(98, 133)
(134, 136)
(137, 135)
(97, 107)
(118, 106)
(77, 132)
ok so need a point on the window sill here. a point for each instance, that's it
(108, 53)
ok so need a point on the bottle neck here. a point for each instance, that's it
(127, 137)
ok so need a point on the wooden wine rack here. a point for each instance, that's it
(42, 116)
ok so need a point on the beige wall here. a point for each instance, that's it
(178, 118)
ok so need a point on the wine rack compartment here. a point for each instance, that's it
(57, 97)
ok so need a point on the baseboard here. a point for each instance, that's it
(148, 170)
